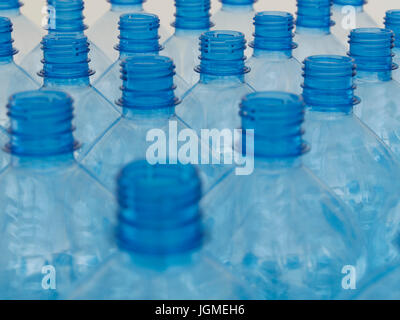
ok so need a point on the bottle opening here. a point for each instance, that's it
(192, 15)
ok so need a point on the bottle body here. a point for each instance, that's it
(396, 60)
(342, 143)
(48, 225)
(270, 238)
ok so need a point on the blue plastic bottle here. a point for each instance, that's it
(392, 22)
(66, 68)
(348, 15)
(380, 95)
(26, 34)
(192, 18)
(12, 77)
(160, 236)
(279, 228)
(236, 15)
(272, 64)
(65, 17)
(213, 102)
(55, 218)
(148, 128)
(313, 30)
(104, 33)
(348, 156)
(138, 36)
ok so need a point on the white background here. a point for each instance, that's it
(165, 8)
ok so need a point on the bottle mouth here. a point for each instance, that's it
(65, 16)
(329, 83)
(222, 53)
(273, 31)
(276, 119)
(139, 33)
(72, 5)
(350, 2)
(371, 49)
(40, 124)
(192, 15)
(10, 4)
(148, 83)
(239, 2)
(159, 211)
(126, 2)
(6, 41)
(314, 14)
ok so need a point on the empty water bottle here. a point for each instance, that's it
(12, 77)
(55, 218)
(148, 128)
(160, 236)
(279, 228)
(380, 95)
(348, 156)
(272, 64)
(313, 30)
(392, 22)
(104, 32)
(192, 18)
(213, 102)
(348, 15)
(66, 68)
(236, 15)
(26, 33)
(65, 17)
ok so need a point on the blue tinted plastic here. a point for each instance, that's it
(213, 102)
(160, 235)
(65, 17)
(26, 33)
(371, 50)
(313, 26)
(348, 156)
(192, 18)
(348, 15)
(392, 22)
(272, 64)
(48, 224)
(265, 224)
(148, 107)
(66, 68)
(12, 77)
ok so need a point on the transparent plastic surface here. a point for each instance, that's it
(4, 156)
(347, 18)
(274, 72)
(283, 232)
(194, 276)
(48, 223)
(104, 32)
(316, 43)
(94, 114)
(396, 60)
(13, 79)
(99, 62)
(362, 171)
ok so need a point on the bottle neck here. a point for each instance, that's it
(55, 82)
(148, 114)
(273, 55)
(317, 31)
(208, 78)
(277, 164)
(340, 8)
(127, 8)
(374, 76)
(6, 60)
(10, 13)
(48, 162)
(237, 8)
(189, 33)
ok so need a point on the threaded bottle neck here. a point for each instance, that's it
(65, 59)
(273, 32)
(277, 119)
(41, 124)
(10, 4)
(314, 14)
(6, 48)
(328, 83)
(192, 15)
(65, 16)
(138, 34)
(222, 54)
(392, 22)
(159, 209)
(148, 83)
(356, 3)
(371, 49)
